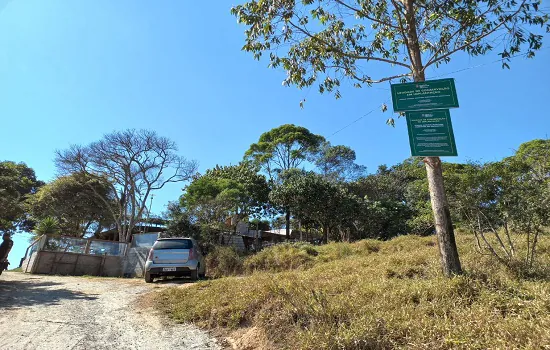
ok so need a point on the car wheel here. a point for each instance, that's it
(148, 277)
(195, 274)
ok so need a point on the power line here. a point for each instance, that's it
(485, 64)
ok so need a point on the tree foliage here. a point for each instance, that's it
(73, 202)
(496, 198)
(135, 163)
(17, 183)
(332, 40)
(312, 197)
(283, 148)
(337, 163)
(227, 192)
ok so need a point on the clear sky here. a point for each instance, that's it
(71, 71)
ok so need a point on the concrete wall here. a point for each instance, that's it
(135, 261)
(62, 263)
(28, 263)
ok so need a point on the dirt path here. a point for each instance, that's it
(52, 312)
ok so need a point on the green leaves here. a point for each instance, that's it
(17, 183)
(283, 148)
(72, 201)
(329, 41)
(223, 192)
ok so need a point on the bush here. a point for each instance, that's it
(282, 257)
(223, 261)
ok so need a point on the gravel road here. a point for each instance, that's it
(54, 313)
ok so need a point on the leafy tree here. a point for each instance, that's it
(381, 219)
(536, 154)
(17, 183)
(313, 197)
(494, 198)
(181, 223)
(73, 202)
(134, 163)
(338, 162)
(230, 192)
(283, 148)
(330, 41)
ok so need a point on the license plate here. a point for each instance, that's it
(168, 269)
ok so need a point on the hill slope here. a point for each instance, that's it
(377, 295)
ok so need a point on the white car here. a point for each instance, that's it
(175, 257)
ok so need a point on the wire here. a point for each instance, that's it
(438, 76)
(485, 64)
(355, 121)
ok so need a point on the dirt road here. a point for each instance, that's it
(52, 312)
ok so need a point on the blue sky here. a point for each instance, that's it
(71, 71)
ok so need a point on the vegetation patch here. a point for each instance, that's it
(223, 261)
(384, 295)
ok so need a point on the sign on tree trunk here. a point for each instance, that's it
(431, 133)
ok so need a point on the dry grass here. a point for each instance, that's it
(378, 295)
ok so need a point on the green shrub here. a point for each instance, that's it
(223, 261)
(281, 257)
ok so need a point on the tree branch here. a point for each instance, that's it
(347, 54)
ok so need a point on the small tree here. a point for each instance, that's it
(329, 41)
(134, 163)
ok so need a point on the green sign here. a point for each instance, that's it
(431, 133)
(431, 94)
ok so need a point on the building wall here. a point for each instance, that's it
(234, 241)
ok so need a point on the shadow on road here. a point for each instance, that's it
(174, 280)
(31, 292)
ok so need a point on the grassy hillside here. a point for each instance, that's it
(374, 295)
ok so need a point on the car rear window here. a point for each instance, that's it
(173, 244)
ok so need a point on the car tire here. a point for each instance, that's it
(195, 274)
(148, 277)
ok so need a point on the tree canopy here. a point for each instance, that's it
(17, 183)
(134, 163)
(331, 40)
(283, 148)
(73, 202)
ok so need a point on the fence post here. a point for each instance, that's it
(87, 248)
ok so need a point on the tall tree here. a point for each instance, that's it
(134, 163)
(283, 148)
(332, 40)
(76, 207)
(338, 162)
(17, 183)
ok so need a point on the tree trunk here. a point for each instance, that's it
(287, 224)
(325, 234)
(448, 252)
(442, 216)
